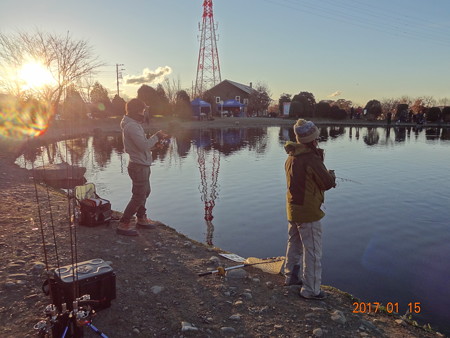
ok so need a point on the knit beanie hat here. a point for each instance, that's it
(306, 131)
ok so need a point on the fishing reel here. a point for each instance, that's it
(68, 323)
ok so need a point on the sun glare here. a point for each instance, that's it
(35, 75)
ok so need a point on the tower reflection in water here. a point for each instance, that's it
(209, 165)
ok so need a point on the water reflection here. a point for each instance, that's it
(98, 150)
(209, 166)
(372, 136)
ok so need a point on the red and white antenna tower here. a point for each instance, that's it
(208, 67)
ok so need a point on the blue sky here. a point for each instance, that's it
(361, 49)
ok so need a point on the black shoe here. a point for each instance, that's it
(321, 296)
(298, 283)
(292, 278)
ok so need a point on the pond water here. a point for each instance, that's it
(386, 232)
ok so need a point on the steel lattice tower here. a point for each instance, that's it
(208, 67)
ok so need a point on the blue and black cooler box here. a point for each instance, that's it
(94, 278)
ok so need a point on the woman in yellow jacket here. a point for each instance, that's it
(307, 178)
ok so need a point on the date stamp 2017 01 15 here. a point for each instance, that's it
(390, 307)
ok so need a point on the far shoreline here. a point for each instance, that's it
(61, 130)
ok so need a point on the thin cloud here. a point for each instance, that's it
(336, 93)
(148, 76)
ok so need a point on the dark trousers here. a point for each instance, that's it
(140, 177)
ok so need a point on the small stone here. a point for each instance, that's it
(317, 309)
(235, 317)
(247, 295)
(368, 325)
(400, 322)
(237, 274)
(238, 302)
(309, 315)
(157, 289)
(227, 329)
(33, 296)
(338, 317)
(185, 326)
(270, 285)
(136, 330)
(214, 260)
(278, 326)
(187, 244)
(256, 280)
(318, 332)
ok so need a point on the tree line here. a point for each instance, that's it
(304, 104)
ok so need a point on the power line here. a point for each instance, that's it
(372, 18)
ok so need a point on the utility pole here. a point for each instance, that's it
(118, 75)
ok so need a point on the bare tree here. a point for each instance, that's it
(428, 101)
(389, 105)
(406, 100)
(259, 99)
(67, 59)
(171, 89)
(444, 101)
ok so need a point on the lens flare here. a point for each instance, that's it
(21, 120)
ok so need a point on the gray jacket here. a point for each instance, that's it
(135, 143)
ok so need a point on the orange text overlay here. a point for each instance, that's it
(374, 307)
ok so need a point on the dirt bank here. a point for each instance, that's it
(158, 290)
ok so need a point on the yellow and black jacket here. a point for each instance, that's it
(307, 178)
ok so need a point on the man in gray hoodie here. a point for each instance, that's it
(138, 147)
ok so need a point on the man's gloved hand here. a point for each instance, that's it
(334, 176)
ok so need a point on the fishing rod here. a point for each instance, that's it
(221, 270)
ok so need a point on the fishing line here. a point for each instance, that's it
(348, 180)
(51, 215)
(40, 222)
(72, 228)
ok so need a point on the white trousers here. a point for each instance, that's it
(304, 248)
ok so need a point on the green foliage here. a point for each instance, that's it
(258, 100)
(433, 114)
(283, 98)
(374, 109)
(100, 103)
(337, 113)
(446, 114)
(156, 100)
(296, 109)
(183, 107)
(402, 107)
(118, 106)
(343, 104)
(162, 105)
(303, 105)
(74, 107)
(323, 109)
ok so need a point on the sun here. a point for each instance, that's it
(35, 75)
